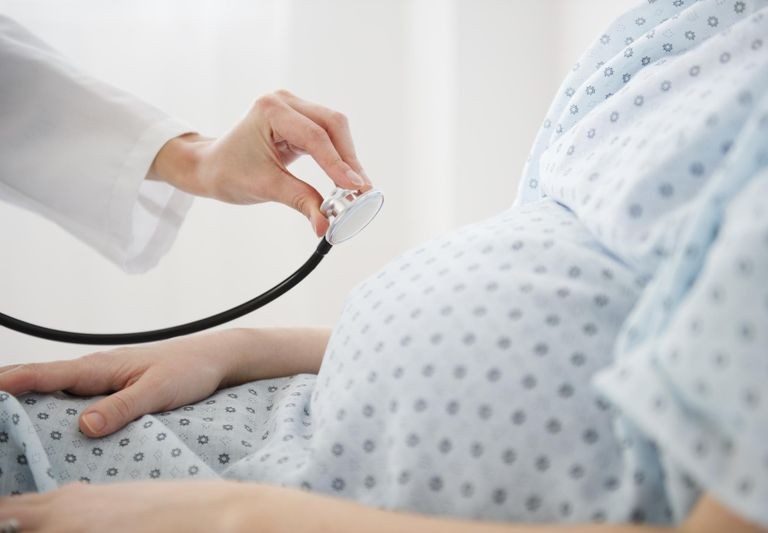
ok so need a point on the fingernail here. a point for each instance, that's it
(355, 178)
(95, 421)
(366, 178)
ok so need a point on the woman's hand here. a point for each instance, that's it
(248, 165)
(162, 376)
(145, 379)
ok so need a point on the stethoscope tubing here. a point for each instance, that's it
(195, 326)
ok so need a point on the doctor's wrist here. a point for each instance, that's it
(178, 162)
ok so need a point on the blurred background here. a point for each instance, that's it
(444, 99)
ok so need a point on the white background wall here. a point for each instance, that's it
(444, 98)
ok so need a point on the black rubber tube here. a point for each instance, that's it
(174, 331)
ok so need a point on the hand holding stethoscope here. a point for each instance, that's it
(248, 165)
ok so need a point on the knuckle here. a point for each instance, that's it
(105, 355)
(30, 368)
(30, 373)
(92, 357)
(266, 102)
(315, 134)
(299, 202)
(283, 93)
(339, 120)
(89, 365)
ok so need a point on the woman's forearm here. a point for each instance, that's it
(279, 510)
(367, 520)
(274, 352)
(707, 516)
(270, 509)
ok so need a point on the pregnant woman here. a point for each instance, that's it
(594, 355)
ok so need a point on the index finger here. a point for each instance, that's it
(306, 134)
(41, 377)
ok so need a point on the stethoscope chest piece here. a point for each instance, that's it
(349, 212)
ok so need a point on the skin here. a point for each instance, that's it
(145, 379)
(249, 164)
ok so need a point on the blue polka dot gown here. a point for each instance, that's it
(596, 353)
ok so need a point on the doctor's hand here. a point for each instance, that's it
(248, 165)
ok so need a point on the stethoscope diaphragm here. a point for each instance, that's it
(349, 212)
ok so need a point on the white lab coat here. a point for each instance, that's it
(77, 151)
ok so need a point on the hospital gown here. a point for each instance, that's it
(595, 353)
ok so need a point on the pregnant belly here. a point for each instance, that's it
(457, 380)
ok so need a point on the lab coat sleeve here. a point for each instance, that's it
(77, 151)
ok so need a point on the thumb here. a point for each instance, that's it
(115, 411)
(302, 197)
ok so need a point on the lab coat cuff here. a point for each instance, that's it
(146, 215)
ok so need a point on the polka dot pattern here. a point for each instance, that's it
(649, 114)
(692, 376)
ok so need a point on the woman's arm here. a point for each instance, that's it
(289, 510)
(276, 352)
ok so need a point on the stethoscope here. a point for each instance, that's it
(348, 212)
